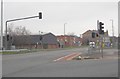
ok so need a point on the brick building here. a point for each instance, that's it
(35, 41)
(69, 40)
(87, 37)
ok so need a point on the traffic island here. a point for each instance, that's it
(84, 57)
(106, 55)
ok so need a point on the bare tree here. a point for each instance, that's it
(19, 30)
(10, 29)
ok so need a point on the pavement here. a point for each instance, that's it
(0, 65)
(43, 64)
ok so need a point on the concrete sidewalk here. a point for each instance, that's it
(107, 53)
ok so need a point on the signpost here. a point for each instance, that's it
(101, 34)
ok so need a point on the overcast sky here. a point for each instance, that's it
(79, 16)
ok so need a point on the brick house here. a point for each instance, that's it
(87, 37)
(48, 40)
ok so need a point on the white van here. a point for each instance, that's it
(92, 44)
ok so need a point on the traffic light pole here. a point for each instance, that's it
(1, 25)
(101, 45)
(6, 42)
(101, 33)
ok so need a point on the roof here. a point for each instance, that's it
(90, 31)
(48, 38)
(87, 31)
(67, 36)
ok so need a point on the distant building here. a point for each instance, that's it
(45, 41)
(87, 37)
(114, 40)
(69, 40)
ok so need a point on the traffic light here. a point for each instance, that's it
(40, 15)
(101, 31)
(8, 37)
(97, 35)
(40, 37)
(93, 34)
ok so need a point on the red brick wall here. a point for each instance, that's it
(69, 39)
(52, 46)
(34, 46)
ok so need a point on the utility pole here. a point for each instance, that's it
(1, 25)
(112, 27)
(98, 28)
(64, 28)
(64, 33)
(101, 34)
(112, 32)
(98, 25)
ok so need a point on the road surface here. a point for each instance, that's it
(42, 64)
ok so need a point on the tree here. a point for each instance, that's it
(10, 29)
(19, 30)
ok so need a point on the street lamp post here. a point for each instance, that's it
(64, 33)
(64, 27)
(40, 17)
(112, 32)
(1, 25)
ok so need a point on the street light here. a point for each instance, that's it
(64, 27)
(112, 27)
(39, 15)
(112, 32)
(64, 32)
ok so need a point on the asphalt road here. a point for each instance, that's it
(42, 64)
